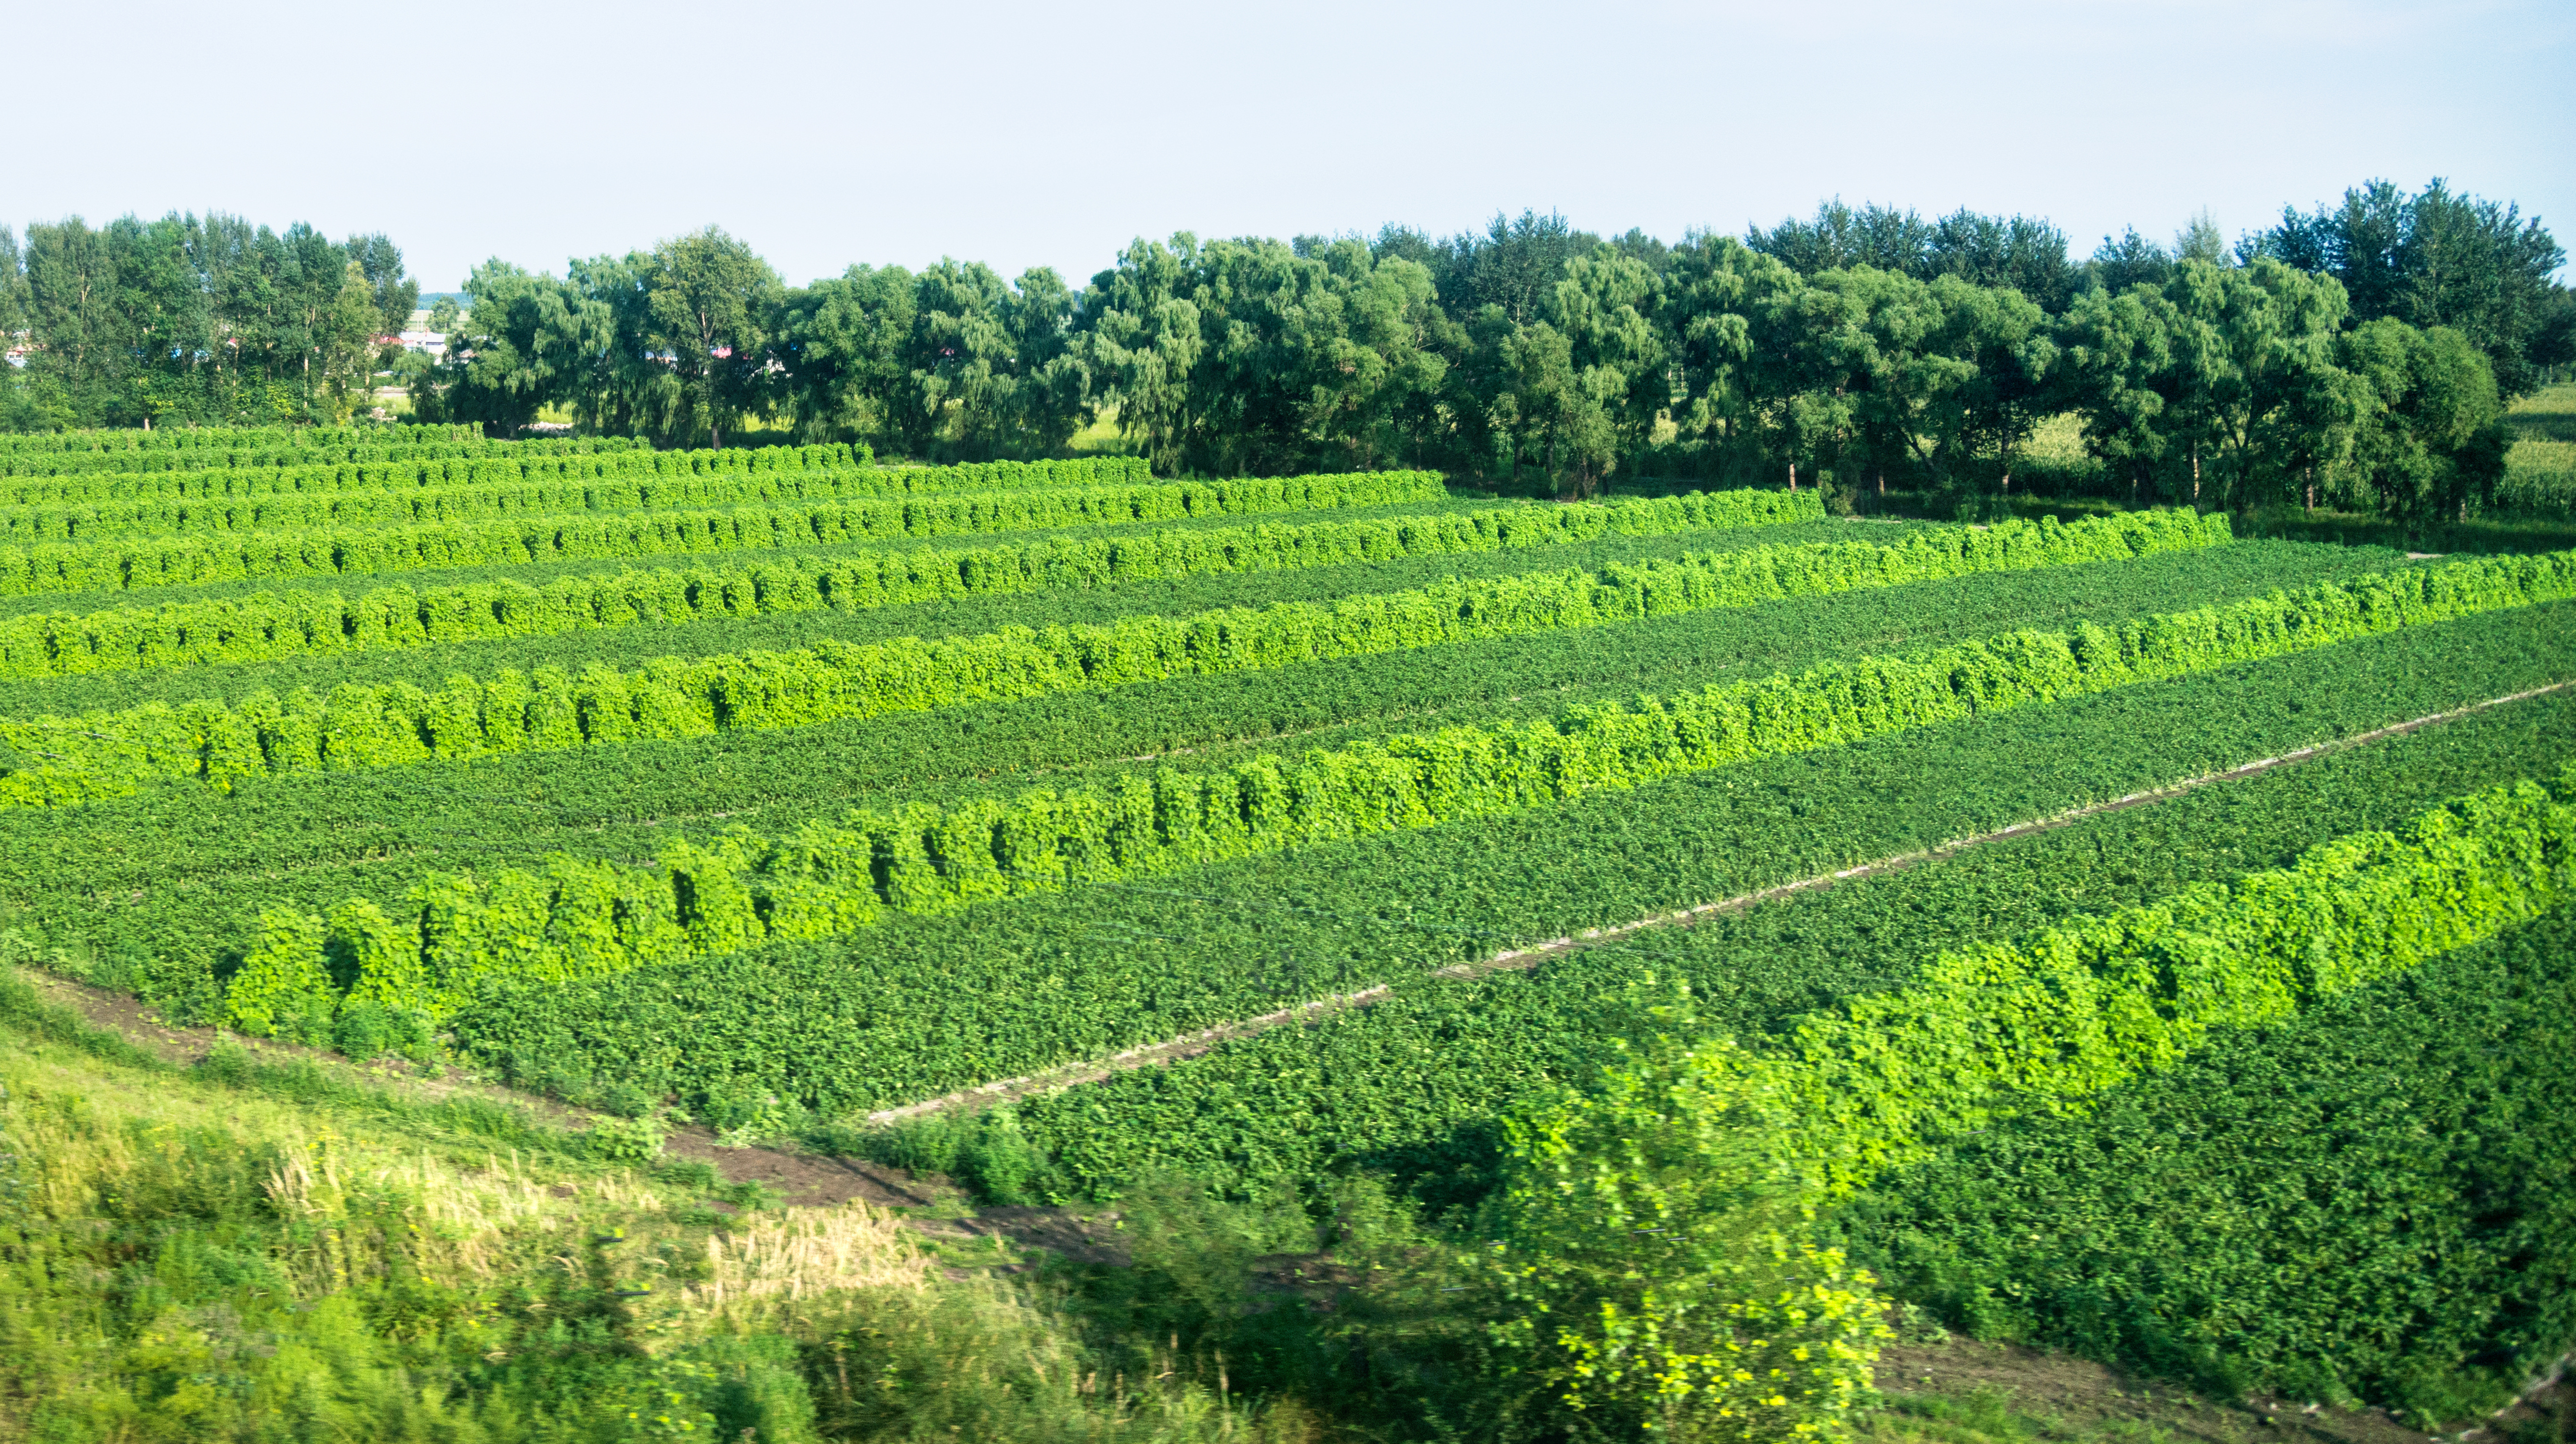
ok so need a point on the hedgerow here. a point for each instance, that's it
(367, 727)
(308, 840)
(382, 494)
(265, 626)
(2374, 1199)
(1693, 1147)
(126, 564)
(2043, 1025)
(930, 861)
(148, 447)
(1416, 1085)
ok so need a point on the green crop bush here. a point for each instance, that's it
(265, 626)
(626, 1140)
(397, 724)
(113, 563)
(583, 919)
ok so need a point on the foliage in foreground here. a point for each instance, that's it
(1660, 1230)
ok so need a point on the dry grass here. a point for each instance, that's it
(770, 1271)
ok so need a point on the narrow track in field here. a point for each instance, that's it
(1189, 1045)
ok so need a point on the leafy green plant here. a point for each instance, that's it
(627, 1140)
(121, 563)
(262, 626)
(361, 727)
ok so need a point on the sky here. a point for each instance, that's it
(1054, 135)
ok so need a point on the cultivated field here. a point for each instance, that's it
(2155, 933)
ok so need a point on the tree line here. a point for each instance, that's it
(2360, 352)
(193, 320)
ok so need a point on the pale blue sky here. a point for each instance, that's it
(1052, 135)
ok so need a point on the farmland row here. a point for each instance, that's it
(309, 840)
(359, 727)
(123, 565)
(2039, 1028)
(2370, 1200)
(257, 467)
(581, 919)
(1416, 1083)
(265, 626)
(222, 439)
(2038, 1024)
(920, 1007)
(449, 489)
(1642, 931)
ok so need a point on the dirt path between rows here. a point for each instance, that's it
(1190, 1045)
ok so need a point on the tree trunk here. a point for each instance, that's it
(1793, 476)
(2195, 476)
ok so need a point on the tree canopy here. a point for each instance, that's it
(2321, 353)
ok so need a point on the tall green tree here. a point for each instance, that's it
(395, 292)
(844, 339)
(1945, 377)
(712, 304)
(348, 341)
(2251, 388)
(2440, 258)
(13, 286)
(2115, 355)
(1235, 356)
(1841, 238)
(508, 356)
(2430, 440)
(2218, 388)
(1144, 338)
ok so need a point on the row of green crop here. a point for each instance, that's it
(667, 477)
(1416, 1085)
(113, 565)
(586, 918)
(2041, 1025)
(310, 840)
(2374, 1202)
(361, 727)
(37, 468)
(233, 438)
(376, 507)
(261, 627)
